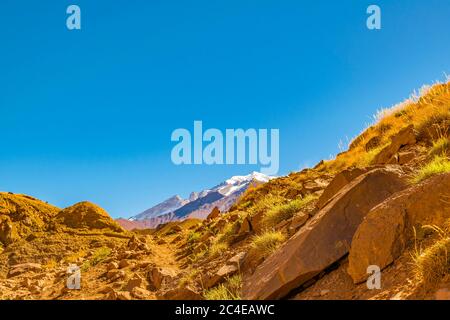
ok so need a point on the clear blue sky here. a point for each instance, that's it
(87, 115)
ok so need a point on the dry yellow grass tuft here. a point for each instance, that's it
(264, 244)
(217, 249)
(433, 263)
(438, 165)
(98, 256)
(282, 212)
(429, 113)
(74, 257)
(189, 277)
(50, 264)
(441, 147)
(230, 290)
(193, 237)
(228, 232)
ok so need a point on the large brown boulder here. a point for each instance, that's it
(387, 229)
(325, 238)
(404, 137)
(338, 182)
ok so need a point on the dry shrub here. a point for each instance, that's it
(285, 211)
(433, 263)
(264, 244)
(438, 165)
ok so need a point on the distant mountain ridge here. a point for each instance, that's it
(199, 204)
(167, 206)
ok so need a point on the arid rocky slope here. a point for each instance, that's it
(313, 234)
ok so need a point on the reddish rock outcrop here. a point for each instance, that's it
(403, 138)
(340, 180)
(325, 239)
(386, 230)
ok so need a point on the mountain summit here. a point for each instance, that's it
(199, 204)
(167, 206)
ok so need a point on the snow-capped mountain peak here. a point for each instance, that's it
(236, 183)
(200, 204)
(167, 206)
(258, 176)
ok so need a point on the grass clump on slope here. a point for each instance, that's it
(433, 263)
(264, 244)
(286, 211)
(230, 290)
(439, 164)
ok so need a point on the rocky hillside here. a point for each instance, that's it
(314, 234)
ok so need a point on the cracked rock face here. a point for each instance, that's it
(385, 232)
(325, 238)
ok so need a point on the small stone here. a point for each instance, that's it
(224, 272)
(124, 263)
(298, 221)
(177, 239)
(185, 293)
(114, 275)
(106, 290)
(140, 293)
(238, 259)
(324, 292)
(134, 282)
(112, 266)
(24, 267)
(123, 295)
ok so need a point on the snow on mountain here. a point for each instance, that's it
(167, 206)
(193, 196)
(199, 204)
(250, 177)
(230, 191)
(236, 183)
